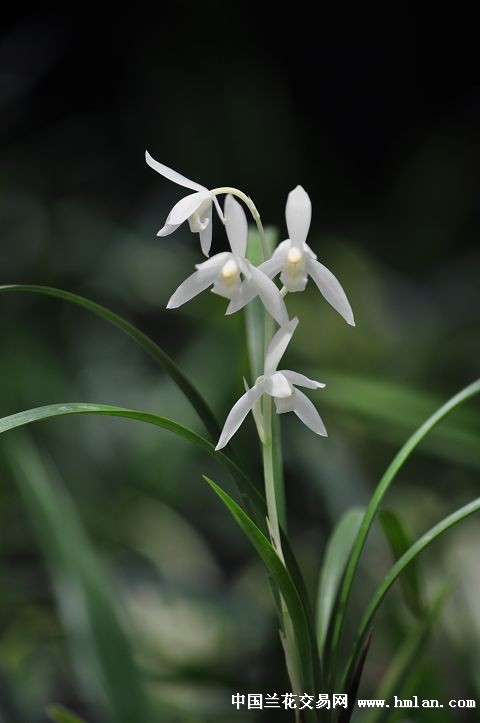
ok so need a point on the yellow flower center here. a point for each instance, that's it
(229, 269)
(294, 255)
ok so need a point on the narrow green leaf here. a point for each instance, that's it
(246, 487)
(407, 658)
(282, 578)
(400, 539)
(151, 347)
(59, 714)
(353, 683)
(336, 556)
(101, 649)
(399, 460)
(250, 494)
(389, 410)
(397, 569)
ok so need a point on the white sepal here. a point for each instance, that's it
(187, 206)
(301, 381)
(274, 265)
(236, 226)
(269, 294)
(277, 347)
(238, 413)
(194, 285)
(206, 232)
(306, 411)
(172, 175)
(298, 213)
(331, 289)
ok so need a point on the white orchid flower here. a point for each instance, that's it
(225, 270)
(196, 207)
(296, 260)
(281, 386)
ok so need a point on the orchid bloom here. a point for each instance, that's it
(224, 270)
(280, 386)
(196, 207)
(296, 261)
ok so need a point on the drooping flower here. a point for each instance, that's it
(281, 385)
(196, 208)
(295, 261)
(225, 270)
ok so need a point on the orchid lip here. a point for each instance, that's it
(229, 269)
(294, 255)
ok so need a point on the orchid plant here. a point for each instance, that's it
(318, 660)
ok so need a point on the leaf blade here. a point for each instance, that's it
(144, 341)
(400, 458)
(337, 552)
(396, 570)
(282, 578)
(102, 650)
(400, 539)
(247, 489)
(411, 650)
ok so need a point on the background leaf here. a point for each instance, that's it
(389, 410)
(281, 576)
(59, 714)
(400, 458)
(151, 347)
(405, 663)
(400, 539)
(246, 487)
(335, 559)
(397, 569)
(101, 650)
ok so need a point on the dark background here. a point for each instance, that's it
(379, 120)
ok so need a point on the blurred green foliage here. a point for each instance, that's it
(397, 220)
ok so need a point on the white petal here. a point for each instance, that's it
(245, 266)
(278, 386)
(300, 380)
(306, 411)
(206, 233)
(276, 348)
(236, 226)
(270, 296)
(216, 261)
(172, 175)
(272, 266)
(186, 206)
(195, 284)
(246, 293)
(238, 413)
(168, 229)
(331, 289)
(298, 213)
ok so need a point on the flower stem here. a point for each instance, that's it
(270, 487)
(253, 210)
(275, 504)
(274, 491)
